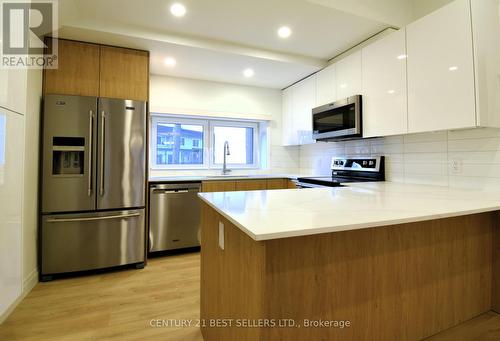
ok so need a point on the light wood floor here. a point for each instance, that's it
(120, 305)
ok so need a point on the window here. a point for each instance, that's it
(194, 143)
(173, 145)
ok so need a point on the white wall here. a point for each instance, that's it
(195, 97)
(422, 158)
(30, 204)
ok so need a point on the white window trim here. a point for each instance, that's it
(172, 120)
(208, 141)
(239, 124)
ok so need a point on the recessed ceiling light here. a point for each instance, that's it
(343, 85)
(391, 92)
(284, 32)
(170, 62)
(402, 56)
(248, 73)
(453, 68)
(178, 10)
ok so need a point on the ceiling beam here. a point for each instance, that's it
(151, 36)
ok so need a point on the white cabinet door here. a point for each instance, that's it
(11, 189)
(326, 86)
(486, 32)
(13, 89)
(384, 86)
(349, 76)
(440, 70)
(289, 137)
(303, 101)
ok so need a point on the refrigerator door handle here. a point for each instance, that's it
(67, 220)
(102, 143)
(91, 138)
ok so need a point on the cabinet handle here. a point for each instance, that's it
(103, 142)
(167, 191)
(91, 138)
(69, 220)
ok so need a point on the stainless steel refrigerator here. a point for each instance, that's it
(93, 184)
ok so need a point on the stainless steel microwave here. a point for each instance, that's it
(338, 120)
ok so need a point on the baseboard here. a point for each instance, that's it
(28, 284)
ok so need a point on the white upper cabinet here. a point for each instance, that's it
(289, 137)
(13, 84)
(298, 102)
(486, 33)
(348, 71)
(384, 86)
(11, 191)
(441, 71)
(326, 86)
(303, 101)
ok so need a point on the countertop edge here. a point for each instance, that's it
(221, 178)
(343, 228)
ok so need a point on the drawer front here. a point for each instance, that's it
(77, 242)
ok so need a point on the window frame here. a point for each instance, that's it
(237, 124)
(208, 141)
(155, 120)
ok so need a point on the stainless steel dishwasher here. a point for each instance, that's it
(174, 216)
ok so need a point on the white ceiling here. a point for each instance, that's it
(217, 39)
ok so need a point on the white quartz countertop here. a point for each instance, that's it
(265, 215)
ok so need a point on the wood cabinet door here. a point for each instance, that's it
(218, 186)
(78, 70)
(251, 185)
(124, 73)
(276, 184)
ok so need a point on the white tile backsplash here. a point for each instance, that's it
(421, 158)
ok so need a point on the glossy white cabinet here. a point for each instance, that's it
(11, 189)
(13, 84)
(326, 85)
(441, 70)
(298, 102)
(486, 34)
(384, 86)
(348, 71)
(289, 137)
(303, 101)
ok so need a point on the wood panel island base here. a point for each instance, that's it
(398, 282)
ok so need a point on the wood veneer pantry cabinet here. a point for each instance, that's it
(78, 70)
(124, 73)
(86, 69)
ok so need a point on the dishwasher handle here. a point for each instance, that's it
(170, 191)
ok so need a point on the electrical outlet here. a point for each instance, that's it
(221, 235)
(456, 166)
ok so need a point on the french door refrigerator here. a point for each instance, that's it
(93, 184)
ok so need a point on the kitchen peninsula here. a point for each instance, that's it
(384, 261)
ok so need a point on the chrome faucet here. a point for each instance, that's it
(226, 152)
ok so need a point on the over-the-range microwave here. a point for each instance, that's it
(338, 120)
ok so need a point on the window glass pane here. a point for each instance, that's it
(179, 144)
(241, 144)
